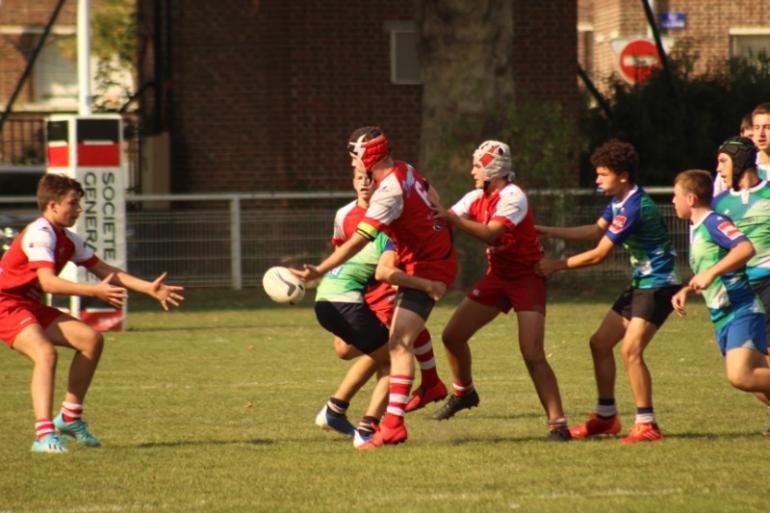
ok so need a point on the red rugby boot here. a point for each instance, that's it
(596, 426)
(385, 436)
(424, 396)
(643, 432)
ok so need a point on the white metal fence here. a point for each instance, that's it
(229, 240)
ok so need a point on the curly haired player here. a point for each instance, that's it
(632, 220)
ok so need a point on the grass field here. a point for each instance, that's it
(211, 408)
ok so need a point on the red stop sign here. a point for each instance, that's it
(639, 58)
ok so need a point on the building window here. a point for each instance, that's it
(54, 81)
(404, 63)
(55, 76)
(749, 43)
(586, 47)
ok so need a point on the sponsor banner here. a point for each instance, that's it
(58, 151)
(102, 223)
(98, 154)
(98, 142)
(109, 320)
(96, 165)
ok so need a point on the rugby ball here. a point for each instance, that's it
(282, 286)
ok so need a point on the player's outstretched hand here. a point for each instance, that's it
(166, 294)
(308, 273)
(110, 293)
(436, 290)
(547, 267)
(678, 301)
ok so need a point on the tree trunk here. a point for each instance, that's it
(466, 50)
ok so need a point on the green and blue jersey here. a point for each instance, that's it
(729, 296)
(749, 209)
(636, 223)
(348, 282)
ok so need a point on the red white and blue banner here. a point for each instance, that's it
(90, 149)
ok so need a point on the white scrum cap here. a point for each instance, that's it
(495, 158)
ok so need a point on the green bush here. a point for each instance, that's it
(677, 125)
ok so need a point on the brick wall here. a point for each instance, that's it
(709, 22)
(264, 94)
(545, 35)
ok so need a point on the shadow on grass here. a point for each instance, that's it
(510, 416)
(192, 443)
(607, 439)
(501, 440)
(208, 327)
(712, 436)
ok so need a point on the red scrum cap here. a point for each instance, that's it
(371, 147)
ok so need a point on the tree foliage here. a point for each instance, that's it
(679, 127)
(114, 44)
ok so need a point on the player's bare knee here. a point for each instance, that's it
(45, 355)
(450, 339)
(344, 351)
(598, 345)
(741, 380)
(631, 354)
(91, 344)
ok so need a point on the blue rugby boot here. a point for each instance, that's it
(50, 444)
(360, 437)
(77, 430)
(334, 421)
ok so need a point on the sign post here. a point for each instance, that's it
(89, 149)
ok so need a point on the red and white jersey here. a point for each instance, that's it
(345, 222)
(381, 295)
(518, 248)
(40, 245)
(401, 208)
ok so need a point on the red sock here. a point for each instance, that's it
(400, 386)
(463, 389)
(423, 351)
(43, 427)
(71, 412)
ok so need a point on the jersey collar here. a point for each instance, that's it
(496, 193)
(709, 214)
(759, 185)
(630, 193)
(744, 193)
(392, 170)
(57, 231)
